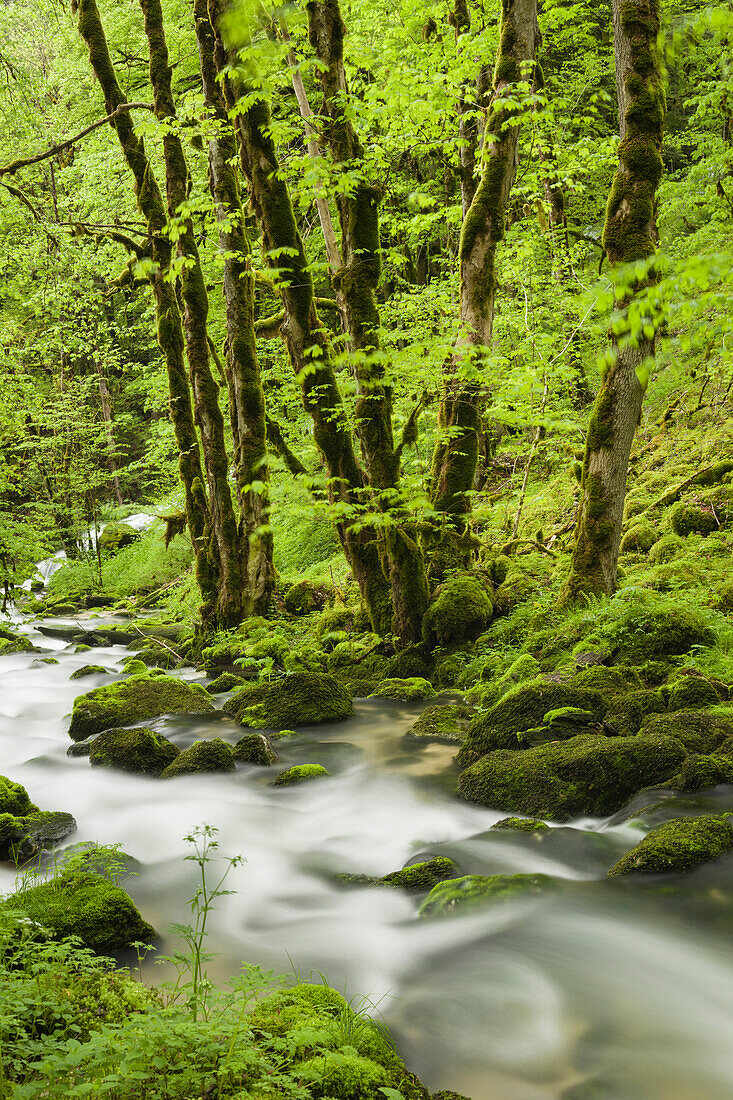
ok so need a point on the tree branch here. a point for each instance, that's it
(9, 169)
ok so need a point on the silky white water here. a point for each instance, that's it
(518, 1001)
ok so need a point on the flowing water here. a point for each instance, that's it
(624, 984)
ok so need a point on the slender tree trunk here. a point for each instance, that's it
(459, 417)
(105, 400)
(628, 236)
(303, 332)
(253, 540)
(170, 329)
(470, 103)
(357, 281)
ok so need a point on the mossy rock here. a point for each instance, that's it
(700, 731)
(136, 699)
(418, 876)
(139, 750)
(702, 773)
(81, 648)
(301, 699)
(692, 693)
(409, 663)
(678, 846)
(626, 714)
(471, 890)
(85, 905)
(303, 598)
(610, 681)
(522, 825)
(523, 709)
(665, 632)
(133, 666)
(88, 670)
(367, 1059)
(638, 539)
(460, 610)
(226, 682)
(10, 642)
(21, 838)
(585, 775)
(666, 549)
(445, 723)
(116, 535)
(407, 690)
(301, 773)
(255, 748)
(14, 798)
(688, 519)
(201, 757)
(515, 589)
(561, 724)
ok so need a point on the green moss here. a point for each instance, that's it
(82, 648)
(84, 905)
(14, 798)
(678, 846)
(412, 661)
(21, 838)
(88, 670)
(408, 690)
(421, 876)
(255, 748)
(610, 681)
(301, 699)
(226, 682)
(702, 773)
(522, 825)
(300, 774)
(140, 750)
(687, 519)
(584, 775)
(343, 1076)
(303, 598)
(133, 666)
(460, 610)
(698, 730)
(134, 700)
(513, 591)
(725, 597)
(692, 693)
(202, 756)
(638, 539)
(626, 714)
(666, 549)
(523, 709)
(116, 535)
(10, 642)
(445, 723)
(471, 890)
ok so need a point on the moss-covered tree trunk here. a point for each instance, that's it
(246, 398)
(628, 236)
(470, 104)
(170, 329)
(357, 283)
(304, 334)
(459, 417)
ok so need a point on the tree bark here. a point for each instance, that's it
(357, 282)
(170, 329)
(459, 417)
(253, 544)
(470, 103)
(304, 335)
(628, 236)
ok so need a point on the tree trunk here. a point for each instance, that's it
(628, 236)
(246, 397)
(357, 281)
(459, 417)
(303, 332)
(471, 102)
(105, 400)
(170, 330)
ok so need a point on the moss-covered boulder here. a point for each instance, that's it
(700, 731)
(666, 549)
(408, 690)
(461, 609)
(678, 846)
(660, 627)
(342, 1055)
(611, 681)
(515, 589)
(14, 798)
(85, 905)
(692, 693)
(255, 748)
(303, 597)
(301, 699)
(418, 876)
(638, 539)
(226, 682)
(139, 750)
(202, 756)
(116, 535)
(135, 700)
(445, 723)
(702, 773)
(414, 660)
(133, 666)
(301, 773)
(88, 670)
(562, 780)
(11, 642)
(626, 713)
(561, 724)
(471, 890)
(21, 838)
(522, 825)
(504, 724)
(688, 519)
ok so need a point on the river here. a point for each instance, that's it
(619, 984)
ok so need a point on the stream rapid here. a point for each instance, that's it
(625, 984)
